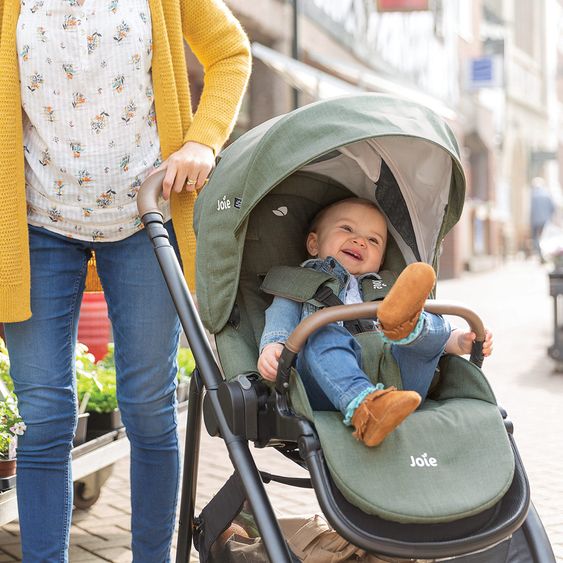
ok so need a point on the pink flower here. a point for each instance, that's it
(18, 428)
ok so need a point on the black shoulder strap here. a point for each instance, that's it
(327, 297)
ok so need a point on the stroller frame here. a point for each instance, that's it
(231, 410)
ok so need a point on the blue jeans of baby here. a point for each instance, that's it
(330, 363)
(146, 334)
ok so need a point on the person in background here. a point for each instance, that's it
(541, 211)
(94, 96)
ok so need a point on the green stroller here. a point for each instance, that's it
(448, 484)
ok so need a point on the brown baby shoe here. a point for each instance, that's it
(381, 412)
(399, 311)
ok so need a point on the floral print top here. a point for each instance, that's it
(90, 135)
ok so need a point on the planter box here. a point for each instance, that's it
(7, 483)
(101, 423)
(182, 391)
(80, 435)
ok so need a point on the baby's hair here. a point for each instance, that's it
(322, 213)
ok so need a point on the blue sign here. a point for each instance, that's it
(485, 72)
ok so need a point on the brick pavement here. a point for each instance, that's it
(513, 301)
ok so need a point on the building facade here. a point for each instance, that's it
(437, 55)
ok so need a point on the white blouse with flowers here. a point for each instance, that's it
(90, 135)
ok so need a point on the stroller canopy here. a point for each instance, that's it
(355, 141)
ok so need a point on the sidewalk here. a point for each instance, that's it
(513, 301)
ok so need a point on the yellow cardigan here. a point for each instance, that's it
(219, 43)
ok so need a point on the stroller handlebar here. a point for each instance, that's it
(149, 192)
(329, 315)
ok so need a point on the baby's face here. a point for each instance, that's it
(354, 234)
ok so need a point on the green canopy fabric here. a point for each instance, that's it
(259, 160)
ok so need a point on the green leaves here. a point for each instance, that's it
(186, 364)
(98, 379)
(11, 425)
(95, 378)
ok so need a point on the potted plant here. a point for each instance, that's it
(186, 364)
(97, 381)
(11, 426)
(5, 367)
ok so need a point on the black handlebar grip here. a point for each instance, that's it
(477, 356)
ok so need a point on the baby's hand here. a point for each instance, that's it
(269, 359)
(460, 342)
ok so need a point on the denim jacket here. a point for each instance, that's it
(283, 315)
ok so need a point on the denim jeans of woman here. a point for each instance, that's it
(330, 363)
(42, 350)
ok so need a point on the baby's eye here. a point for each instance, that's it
(346, 228)
(374, 241)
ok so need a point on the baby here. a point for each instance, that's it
(347, 240)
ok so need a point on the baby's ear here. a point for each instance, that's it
(312, 245)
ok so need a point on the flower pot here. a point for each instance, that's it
(80, 434)
(103, 422)
(182, 391)
(7, 468)
(93, 325)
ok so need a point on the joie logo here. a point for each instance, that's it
(223, 204)
(423, 461)
(378, 284)
(280, 211)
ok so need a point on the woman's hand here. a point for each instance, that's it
(269, 360)
(187, 168)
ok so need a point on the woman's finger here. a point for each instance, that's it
(180, 180)
(204, 171)
(168, 181)
(190, 174)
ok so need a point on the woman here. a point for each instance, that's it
(97, 94)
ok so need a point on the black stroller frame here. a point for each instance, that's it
(246, 410)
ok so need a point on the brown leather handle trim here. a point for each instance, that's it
(329, 315)
(149, 192)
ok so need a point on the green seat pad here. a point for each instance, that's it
(449, 460)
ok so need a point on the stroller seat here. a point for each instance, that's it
(450, 459)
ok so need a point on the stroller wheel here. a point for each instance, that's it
(87, 490)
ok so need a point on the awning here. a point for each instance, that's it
(308, 79)
(322, 85)
(374, 82)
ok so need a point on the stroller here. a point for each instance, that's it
(448, 484)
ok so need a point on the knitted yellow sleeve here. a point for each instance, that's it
(220, 44)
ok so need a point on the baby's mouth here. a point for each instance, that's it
(353, 254)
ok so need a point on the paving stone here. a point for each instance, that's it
(116, 554)
(77, 554)
(6, 536)
(13, 549)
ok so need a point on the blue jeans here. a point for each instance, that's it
(330, 363)
(42, 349)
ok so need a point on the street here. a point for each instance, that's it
(514, 303)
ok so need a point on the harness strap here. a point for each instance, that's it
(327, 297)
